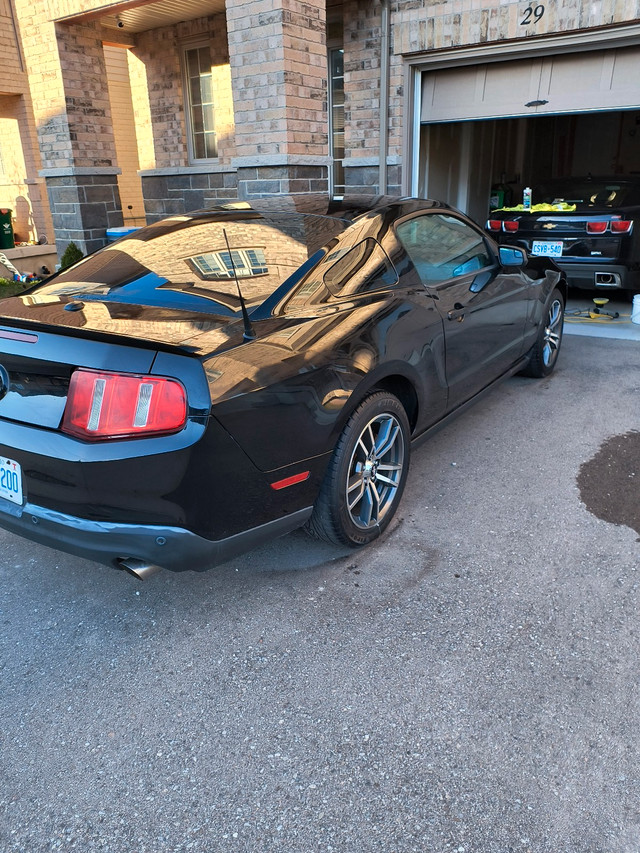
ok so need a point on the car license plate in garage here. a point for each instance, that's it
(547, 248)
(10, 481)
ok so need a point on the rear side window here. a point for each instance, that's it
(363, 268)
(443, 247)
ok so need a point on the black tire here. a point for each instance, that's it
(366, 475)
(544, 354)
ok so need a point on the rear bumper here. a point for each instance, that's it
(167, 547)
(598, 275)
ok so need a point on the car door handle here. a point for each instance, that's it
(457, 313)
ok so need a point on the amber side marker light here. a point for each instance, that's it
(102, 405)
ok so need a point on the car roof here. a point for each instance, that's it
(322, 204)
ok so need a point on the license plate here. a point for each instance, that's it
(547, 248)
(10, 481)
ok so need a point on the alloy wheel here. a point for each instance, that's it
(375, 471)
(552, 333)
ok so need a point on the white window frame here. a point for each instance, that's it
(191, 133)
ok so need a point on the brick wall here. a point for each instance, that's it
(125, 136)
(279, 76)
(21, 188)
(91, 141)
(160, 53)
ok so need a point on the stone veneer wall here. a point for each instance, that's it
(84, 206)
(185, 190)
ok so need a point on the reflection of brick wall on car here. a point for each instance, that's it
(168, 256)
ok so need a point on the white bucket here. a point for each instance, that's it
(635, 309)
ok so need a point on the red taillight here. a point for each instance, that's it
(104, 405)
(596, 227)
(510, 225)
(494, 224)
(621, 226)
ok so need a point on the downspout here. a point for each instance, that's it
(384, 96)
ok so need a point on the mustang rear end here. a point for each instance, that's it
(121, 465)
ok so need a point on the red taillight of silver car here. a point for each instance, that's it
(102, 405)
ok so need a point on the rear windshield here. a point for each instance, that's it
(586, 193)
(200, 256)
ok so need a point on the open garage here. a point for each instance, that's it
(484, 130)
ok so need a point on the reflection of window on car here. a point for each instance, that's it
(443, 247)
(363, 268)
(215, 266)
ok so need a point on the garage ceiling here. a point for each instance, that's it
(575, 82)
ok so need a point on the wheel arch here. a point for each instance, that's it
(393, 382)
(563, 287)
(404, 390)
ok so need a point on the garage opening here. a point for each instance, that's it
(488, 131)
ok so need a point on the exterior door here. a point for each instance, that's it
(483, 309)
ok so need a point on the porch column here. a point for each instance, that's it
(279, 80)
(76, 140)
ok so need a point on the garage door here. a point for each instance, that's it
(574, 82)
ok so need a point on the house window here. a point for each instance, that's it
(336, 113)
(199, 87)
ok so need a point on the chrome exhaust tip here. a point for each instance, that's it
(139, 568)
(607, 279)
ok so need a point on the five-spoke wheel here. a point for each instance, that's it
(544, 354)
(366, 474)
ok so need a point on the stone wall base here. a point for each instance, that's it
(260, 181)
(83, 207)
(183, 191)
(365, 180)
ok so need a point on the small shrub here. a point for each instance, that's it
(10, 288)
(70, 256)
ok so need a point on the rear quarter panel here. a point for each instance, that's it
(286, 397)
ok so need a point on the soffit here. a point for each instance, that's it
(136, 17)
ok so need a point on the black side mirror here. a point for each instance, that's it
(512, 257)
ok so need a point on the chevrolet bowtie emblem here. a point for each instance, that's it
(549, 225)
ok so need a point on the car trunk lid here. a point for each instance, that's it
(36, 367)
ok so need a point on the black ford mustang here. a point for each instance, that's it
(589, 226)
(218, 379)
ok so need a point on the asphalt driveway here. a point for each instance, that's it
(469, 684)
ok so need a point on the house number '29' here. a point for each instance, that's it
(532, 15)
